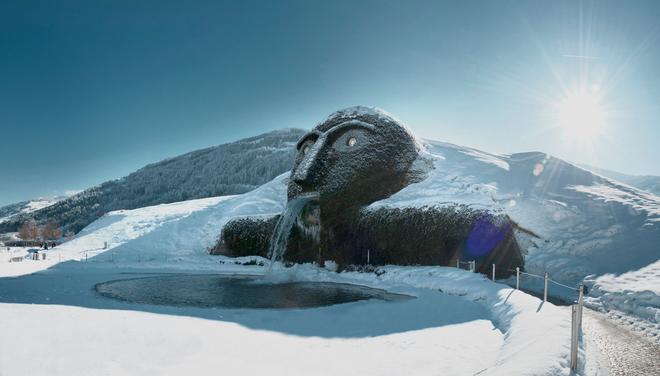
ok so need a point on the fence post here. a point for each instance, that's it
(458, 263)
(493, 272)
(368, 261)
(473, 266)
(517, 278)
(580, 304)
(545, 287)
(574, 337)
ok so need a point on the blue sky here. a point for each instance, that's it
(92, 90)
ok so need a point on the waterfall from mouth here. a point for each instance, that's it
(280, 237)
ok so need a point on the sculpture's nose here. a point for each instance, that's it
(305, 173)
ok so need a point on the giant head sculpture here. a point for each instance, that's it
(355, 157)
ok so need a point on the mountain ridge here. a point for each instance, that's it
(244, 165)
(230, 168)
(649, 183)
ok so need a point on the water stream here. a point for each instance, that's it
(280, 237)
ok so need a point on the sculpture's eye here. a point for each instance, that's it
(350, 140)
(306, 147)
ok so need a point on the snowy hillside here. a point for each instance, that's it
(230, 168)
(632, 298)
(649, 183)
(175, 235)
(8, 212)
(586, 224)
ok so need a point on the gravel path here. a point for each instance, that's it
(626, 352)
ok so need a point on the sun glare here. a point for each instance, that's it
(581, 115)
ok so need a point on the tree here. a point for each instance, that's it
(51, 231)
(29, 230)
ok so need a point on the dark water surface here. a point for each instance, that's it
(208, 291)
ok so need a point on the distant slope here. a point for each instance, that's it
(649, 183)
(8, 212)
(230, 168)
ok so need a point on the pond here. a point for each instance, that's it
(208, 291)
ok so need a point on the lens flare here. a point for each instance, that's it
(581, 116)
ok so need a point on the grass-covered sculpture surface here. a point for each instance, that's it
(354, 158)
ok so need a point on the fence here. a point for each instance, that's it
(576, 307)
(470, 265)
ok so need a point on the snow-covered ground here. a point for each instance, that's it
(585, 224)
(460, 322)
(631, 299)
(111, 231)
(138, 343)
(25, 266)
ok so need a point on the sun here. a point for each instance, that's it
(581, 115)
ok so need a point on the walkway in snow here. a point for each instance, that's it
(626, 352)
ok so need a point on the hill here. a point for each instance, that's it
(8, 212)
(227, 169)
(649, 183)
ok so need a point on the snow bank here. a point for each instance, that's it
(511, 333)
(536, 334)
(139, 343)
(107, 233)
(187, 240)
(176, 235)
(634, 293)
